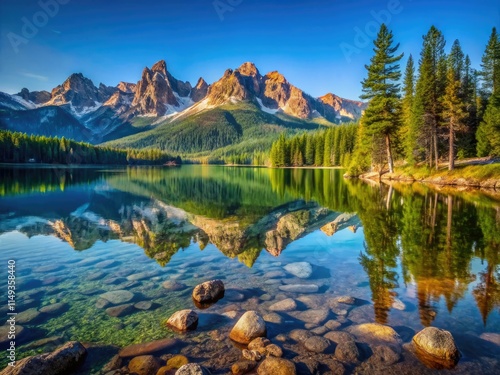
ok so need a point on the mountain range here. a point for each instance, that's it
(241, 112)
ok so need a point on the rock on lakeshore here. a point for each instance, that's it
(436, 348)
(249, 327)
(184, 320)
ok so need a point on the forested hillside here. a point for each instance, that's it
(21, 148)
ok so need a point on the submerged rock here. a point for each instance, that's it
(28, 316)
(55, 308)
(119, 311)
(144, 305)
(317, 344)
(284, 305)
(173, 285)
(63, 361)
(118, 297)
(377, 334)
(184, 320)
(347, 352)
(436, 348)
(299, 288)
(208, 292)
(5, 332)
(147, 348)
(302, 270)
(312, 316)
(249, 327)
(144, 365)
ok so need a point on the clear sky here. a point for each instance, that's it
(316, 44)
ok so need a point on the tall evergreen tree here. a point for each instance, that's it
(430, 89)
(382, 117)
(491, 65)
(454, 111)
(408, 120)
(488, 137)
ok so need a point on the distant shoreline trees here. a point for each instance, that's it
(22, 148)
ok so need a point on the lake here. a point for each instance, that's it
(406, 256)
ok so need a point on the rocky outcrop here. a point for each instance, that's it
(249, 327)
(199, 91)
(63, 361)
(79, 94)
(436, 348)
(36, 97)
(158, 92)
(334, 107)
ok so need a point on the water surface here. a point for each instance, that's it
(411, 256)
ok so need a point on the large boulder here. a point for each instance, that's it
(276, 366)
(184, 320)
(249, 327)
(63, 361)
(436, 348)
(208, 293)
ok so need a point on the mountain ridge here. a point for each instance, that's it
(109, 113)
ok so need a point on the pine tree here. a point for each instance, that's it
(454, 111)
(491, 65)
(382, 117)
(487, 134)
(430, 89)
(408, 133)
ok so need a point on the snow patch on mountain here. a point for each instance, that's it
(267, 109)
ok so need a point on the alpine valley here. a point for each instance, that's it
(243, 111)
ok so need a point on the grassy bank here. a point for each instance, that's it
(472, 173)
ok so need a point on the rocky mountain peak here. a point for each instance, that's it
(276, 77)
(248, 69)
(161, 67)
(37, 97)
(200, 90)
(126, 87)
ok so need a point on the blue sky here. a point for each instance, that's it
(109, 41)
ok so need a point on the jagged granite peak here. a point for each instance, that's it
(244, 83)
(200, 90)
(37, 97)
(160, 66)
(158, 93)
(340, 107)
(126, 87)
(249, 69)
(79, 93)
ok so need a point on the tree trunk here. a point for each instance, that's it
(435, 145)
(389, 153)
(451, 165)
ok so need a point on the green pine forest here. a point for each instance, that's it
(22, 148)
(438, 111)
